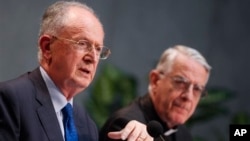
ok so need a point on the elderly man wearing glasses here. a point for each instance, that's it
(39, 106)
(175, 88)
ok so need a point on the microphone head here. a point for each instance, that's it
(154, 128)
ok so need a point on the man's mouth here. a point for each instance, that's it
(181, 106)
(85, 70)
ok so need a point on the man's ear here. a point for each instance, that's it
(154, 76)
(45, 46)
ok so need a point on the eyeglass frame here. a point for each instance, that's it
(178, 80)
(89, 47)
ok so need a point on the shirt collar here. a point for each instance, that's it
(57, 97)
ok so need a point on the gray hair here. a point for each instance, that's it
(167, 58)
(55, 18)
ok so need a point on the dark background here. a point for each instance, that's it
(137, 31)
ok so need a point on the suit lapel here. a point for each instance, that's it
(50, 124)
(79, 116)
(45, 109)
(81, 123)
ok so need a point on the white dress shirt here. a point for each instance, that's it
(57, 97)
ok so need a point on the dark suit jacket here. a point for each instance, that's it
(27, 112)
(142, 110)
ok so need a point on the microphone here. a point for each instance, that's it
(155, 129)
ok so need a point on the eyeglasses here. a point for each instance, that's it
(83, 45)
(184, 84)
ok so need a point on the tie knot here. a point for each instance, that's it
(67, 110)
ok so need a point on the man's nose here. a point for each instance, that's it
(188, 93)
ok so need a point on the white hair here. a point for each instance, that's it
(55, 17)
(168, 56)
